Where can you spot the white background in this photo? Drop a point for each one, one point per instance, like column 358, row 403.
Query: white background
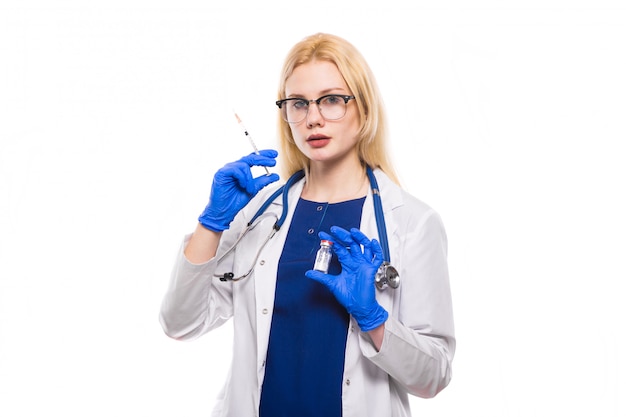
column 507, row 117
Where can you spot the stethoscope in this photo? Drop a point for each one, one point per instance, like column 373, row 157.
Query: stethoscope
column 386, row 276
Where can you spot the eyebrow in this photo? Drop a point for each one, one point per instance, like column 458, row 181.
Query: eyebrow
column 322, row 93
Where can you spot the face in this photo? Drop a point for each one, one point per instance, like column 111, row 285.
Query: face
column 330, row 141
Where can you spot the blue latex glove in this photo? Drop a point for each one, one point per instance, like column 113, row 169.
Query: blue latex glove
column 233, row 187
column 354, row 287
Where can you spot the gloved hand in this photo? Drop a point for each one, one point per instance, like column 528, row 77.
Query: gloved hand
column 354, row 287
column 233, row 187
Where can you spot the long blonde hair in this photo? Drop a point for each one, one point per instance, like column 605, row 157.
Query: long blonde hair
column 361, row 82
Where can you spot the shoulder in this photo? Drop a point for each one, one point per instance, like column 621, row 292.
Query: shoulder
column 406, row 214
column 395, row 198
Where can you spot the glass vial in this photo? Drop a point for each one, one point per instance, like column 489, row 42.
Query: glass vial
column 322, row 259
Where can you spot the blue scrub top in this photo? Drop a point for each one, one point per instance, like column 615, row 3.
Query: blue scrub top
column 305, row 358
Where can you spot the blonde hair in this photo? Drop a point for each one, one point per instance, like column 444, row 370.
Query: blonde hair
column 361, row 82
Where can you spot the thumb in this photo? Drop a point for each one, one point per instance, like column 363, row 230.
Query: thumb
column 319, row 277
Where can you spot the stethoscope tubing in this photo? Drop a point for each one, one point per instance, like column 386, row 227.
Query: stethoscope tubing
column 284, row 190
column 379, row 215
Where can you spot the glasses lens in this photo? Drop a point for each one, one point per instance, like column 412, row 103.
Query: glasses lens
column 333, row 107
column 294, row 111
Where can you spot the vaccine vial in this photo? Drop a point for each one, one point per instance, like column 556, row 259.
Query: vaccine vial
column 322, row 259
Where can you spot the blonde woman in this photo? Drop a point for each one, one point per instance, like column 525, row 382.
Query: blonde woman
column 307, row 342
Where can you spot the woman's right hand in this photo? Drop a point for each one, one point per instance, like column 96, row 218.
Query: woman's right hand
column 233, row 187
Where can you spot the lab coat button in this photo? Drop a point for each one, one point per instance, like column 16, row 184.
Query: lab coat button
column 347, row 382
column 265, row 311
column 311, row 231
column 262, row 262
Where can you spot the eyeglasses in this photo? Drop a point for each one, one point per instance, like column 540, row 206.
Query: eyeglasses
column 331, row 107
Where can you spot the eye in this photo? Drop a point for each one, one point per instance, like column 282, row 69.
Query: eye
column 333, row 99
column 299, row 104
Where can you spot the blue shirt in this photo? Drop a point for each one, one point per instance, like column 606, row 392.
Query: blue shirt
column 305, row 358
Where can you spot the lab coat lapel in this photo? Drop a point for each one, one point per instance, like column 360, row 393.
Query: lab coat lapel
column 266, row 273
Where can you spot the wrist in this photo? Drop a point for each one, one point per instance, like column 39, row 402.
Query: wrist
column 213, row 220
column 372, row 319
column 212, row 225
column 202, row 245
column 377, row 336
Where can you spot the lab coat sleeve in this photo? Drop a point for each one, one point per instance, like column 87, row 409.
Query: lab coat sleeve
column 195, row 301
column 418, row 344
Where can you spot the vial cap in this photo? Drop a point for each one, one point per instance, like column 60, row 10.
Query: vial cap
column 327, row 243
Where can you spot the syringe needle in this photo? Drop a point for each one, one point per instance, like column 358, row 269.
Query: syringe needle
column 245, row 131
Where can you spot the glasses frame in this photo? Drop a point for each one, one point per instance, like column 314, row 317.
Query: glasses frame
column 346, row 99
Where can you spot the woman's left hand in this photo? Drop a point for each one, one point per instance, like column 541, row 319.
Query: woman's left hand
column 354, row 287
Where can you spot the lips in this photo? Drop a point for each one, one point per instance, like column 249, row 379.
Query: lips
column 318, row 140
column 317, row 137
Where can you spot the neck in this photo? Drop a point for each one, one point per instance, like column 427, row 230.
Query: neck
column 336, row 183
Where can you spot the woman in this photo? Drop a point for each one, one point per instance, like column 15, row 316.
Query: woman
column 308, row 342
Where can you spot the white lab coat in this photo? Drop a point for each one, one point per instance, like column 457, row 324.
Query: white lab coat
column 418, row 343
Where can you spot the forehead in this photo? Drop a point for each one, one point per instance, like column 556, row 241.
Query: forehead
column 315, row 78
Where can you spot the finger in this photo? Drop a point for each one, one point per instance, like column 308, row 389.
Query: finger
column 377, row 252
column 347, row 249
column 263, row 181
column 325, row 236
column 338, row 248
column 373, row 253
column 376, row 248
column 348, row 240
column 266, row 157
column 240, row 172
column 359, row 236
column 233, row 172
column 327, row 280
column 270, row 153
column 343, row 254
column 342, row 236
column 363, row 240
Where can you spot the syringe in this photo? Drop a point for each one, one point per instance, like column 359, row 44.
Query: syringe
column 256, row 150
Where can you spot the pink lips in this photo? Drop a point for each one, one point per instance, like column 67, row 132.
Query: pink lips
column 318, row 140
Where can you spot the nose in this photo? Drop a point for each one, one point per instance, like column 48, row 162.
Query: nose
column 314, row 115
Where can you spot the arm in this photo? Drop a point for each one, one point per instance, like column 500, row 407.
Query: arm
column 194, row 303
column 414, row 344
column 377, row 335
column 202, row 245
column 418, row 338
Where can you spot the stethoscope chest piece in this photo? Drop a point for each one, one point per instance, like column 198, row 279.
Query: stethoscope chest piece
column 387, row 276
